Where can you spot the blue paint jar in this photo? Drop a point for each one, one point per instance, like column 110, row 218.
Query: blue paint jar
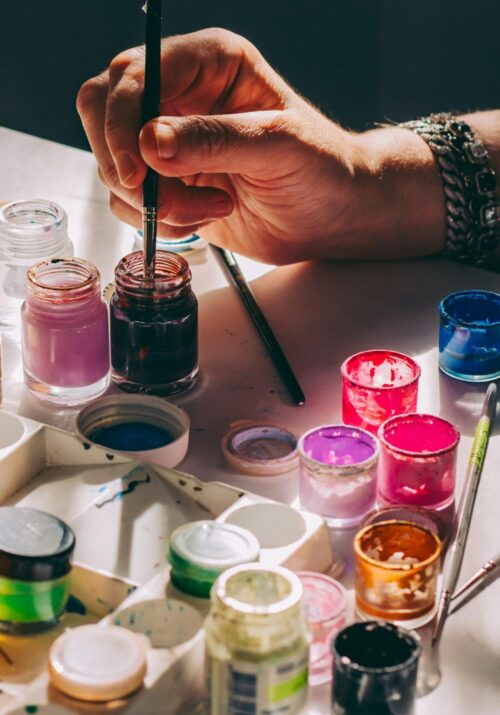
column 469, row 335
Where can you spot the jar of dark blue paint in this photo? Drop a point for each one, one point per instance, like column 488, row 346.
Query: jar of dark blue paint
column 469, row 335
column 154, row 326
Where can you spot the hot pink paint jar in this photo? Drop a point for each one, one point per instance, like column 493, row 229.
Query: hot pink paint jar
column 65, row 341
column 376, row 385
column 418, row 461
column 325, row 603
column 338, row 473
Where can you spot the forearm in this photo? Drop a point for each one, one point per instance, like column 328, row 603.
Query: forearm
column 400, row 188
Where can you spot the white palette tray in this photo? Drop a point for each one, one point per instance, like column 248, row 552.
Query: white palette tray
column 123, row 514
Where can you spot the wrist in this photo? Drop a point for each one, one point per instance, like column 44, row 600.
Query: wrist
column 399, row 194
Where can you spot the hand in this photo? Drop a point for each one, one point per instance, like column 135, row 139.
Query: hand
column 248, row 163
column 234, row 143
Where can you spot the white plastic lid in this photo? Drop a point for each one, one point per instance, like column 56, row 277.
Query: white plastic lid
column 98, row 663
column 214, row 545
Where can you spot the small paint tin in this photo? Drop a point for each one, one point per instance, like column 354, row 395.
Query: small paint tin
column 201, row 550
column 259, row 449
column 375, row 670
column 190, row 244
column 397, row 565
column 469, row 335
column 338, row 473
column 144, row 427
column 35, row 563
column 98, row 663
column 325, row 603
column 418, row 461
column 377, row 384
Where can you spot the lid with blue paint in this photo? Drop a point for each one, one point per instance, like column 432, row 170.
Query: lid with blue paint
column 201, row 550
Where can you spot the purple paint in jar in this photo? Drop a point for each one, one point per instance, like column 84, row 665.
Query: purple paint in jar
column 338, row 473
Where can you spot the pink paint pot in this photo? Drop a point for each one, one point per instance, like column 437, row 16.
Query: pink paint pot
column 376, row 385
column 65, row 341
column 418, row 461
column 325, row 602
column 338, row 473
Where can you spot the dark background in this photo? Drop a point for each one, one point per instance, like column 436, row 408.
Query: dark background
column 360, row 61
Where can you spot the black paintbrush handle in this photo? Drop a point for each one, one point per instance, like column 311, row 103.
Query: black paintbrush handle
column 275, row 350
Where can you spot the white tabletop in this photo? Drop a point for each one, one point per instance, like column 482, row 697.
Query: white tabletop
column 321, row 313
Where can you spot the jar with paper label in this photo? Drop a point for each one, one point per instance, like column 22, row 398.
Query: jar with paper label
column 257, row 643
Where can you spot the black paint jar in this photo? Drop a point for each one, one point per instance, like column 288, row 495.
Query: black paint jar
column 375, row 670
column 154, row 326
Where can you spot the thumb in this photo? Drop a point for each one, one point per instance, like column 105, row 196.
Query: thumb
column 250, row 142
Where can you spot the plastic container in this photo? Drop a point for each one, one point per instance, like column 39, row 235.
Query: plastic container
column 260, row 450
column 35, row 564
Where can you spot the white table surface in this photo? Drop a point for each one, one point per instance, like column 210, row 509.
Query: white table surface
column 321, row 313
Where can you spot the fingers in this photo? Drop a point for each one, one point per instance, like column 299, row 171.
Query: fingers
column 127, row 213
column 251, row 142
column 178, row 204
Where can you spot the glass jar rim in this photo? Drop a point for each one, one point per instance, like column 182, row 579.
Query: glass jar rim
column 443, row 308
column 355, row 466
column 333, row 586
column 24, row 242
column 172, row 274
column 411, row 453
column 90, row 279
column 386, row 566
column 407, row 359
column 286, row 604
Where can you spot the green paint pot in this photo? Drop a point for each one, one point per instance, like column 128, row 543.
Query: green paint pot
column 35, row 553
column 201, row 550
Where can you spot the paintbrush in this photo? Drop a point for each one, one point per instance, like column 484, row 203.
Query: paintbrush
column 150, row 110
column 465, row 508
column 486, row 575
column 232, row 270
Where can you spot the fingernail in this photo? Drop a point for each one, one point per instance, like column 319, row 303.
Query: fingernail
column 125, row 167
column 166, row 141
column 221, row 207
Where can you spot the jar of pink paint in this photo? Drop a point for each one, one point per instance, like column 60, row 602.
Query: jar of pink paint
column 377, row 384
column 65, row 343
column 418, row 461
column 338, row 473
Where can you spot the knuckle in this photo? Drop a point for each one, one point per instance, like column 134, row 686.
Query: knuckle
column 206, row 133
column 89, row 93
column 109, row 175
column 123, row 60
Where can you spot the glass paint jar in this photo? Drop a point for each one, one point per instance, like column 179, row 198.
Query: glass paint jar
column 338, row 473
column 257, row 643
column 376, row 385
column 35, row 553
column 418, row 461
column 375, row 670
column 30, row 229
column 469, row 335
column 65, row 341
column 200, row 551
column 154, row 326
column 325, row 603
column 397, row 565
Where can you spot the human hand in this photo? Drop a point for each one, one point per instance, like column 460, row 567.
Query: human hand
column 235, row 143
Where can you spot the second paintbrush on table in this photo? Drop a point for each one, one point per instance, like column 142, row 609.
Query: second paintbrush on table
column 232, row 270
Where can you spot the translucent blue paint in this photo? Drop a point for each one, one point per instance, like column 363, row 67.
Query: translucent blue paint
column 132, row 436
column 469, row 335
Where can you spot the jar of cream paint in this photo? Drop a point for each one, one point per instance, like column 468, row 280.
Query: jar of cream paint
column 35, row 553
column 257, row 642
column 65, row 332
column 30, row 229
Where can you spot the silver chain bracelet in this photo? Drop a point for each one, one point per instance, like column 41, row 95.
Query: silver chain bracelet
column 470, row 187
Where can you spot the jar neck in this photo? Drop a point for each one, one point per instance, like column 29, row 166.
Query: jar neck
column 62, row 282
column 172, row 278
column 258, row 634
column 33, row 229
